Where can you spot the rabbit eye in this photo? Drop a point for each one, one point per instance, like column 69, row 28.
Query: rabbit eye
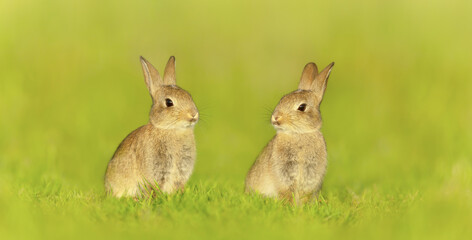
column 169, row 102
column 302, row 107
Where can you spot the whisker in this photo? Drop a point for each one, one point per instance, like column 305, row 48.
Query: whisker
column 266, row 113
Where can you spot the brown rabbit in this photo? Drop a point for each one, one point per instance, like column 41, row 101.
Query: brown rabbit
column 292, row 166
column 160, row 154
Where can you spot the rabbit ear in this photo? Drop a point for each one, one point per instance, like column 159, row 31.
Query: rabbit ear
column 321, row 81
column 308, row 75
column 151, row 75
column 169, row 73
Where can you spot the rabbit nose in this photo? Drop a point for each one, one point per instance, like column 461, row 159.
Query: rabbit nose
column 194, row 118
column 276, row 119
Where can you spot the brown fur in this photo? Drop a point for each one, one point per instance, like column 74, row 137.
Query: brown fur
column 161, row 154
column 292, row 166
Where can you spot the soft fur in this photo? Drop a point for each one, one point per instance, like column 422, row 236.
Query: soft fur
column 292, row 166
column 161, row 154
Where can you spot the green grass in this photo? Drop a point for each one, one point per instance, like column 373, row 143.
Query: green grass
column 397, row 115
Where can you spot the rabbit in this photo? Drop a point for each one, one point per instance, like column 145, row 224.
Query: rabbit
column 161, row 154
column 292, row 166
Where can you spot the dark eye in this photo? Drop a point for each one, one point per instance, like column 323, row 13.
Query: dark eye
column 302, row 107
column 169, row 102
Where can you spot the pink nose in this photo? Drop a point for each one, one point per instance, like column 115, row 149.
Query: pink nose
column 194, row 118
column 276, row 119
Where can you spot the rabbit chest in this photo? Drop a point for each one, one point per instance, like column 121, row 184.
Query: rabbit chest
column 170, row 159
column 300, row 161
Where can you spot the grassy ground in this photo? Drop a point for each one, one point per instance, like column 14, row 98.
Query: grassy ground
column 397, row 115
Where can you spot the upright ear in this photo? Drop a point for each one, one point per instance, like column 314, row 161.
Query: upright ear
column 151, row 76
column 321, row 81
column 169, row 73
column 308, row 75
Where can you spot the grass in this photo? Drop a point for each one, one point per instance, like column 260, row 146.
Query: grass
column 204, row 210
column 396, row 115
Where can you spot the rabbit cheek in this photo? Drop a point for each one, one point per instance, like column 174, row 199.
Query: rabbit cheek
column 157, row 115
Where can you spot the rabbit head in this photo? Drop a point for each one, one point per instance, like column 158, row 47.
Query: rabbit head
column 299, row 111
column 172, row 107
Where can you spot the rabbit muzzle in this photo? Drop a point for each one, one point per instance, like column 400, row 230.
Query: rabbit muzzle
column 193, row 118
column 275, row 120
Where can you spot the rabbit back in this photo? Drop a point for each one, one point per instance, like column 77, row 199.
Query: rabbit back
column 122, row 174
column 261, row 178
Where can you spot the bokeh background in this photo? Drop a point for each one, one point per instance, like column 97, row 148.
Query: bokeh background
column 397, row 111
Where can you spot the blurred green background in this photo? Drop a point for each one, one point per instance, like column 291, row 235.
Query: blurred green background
column 397, row 114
